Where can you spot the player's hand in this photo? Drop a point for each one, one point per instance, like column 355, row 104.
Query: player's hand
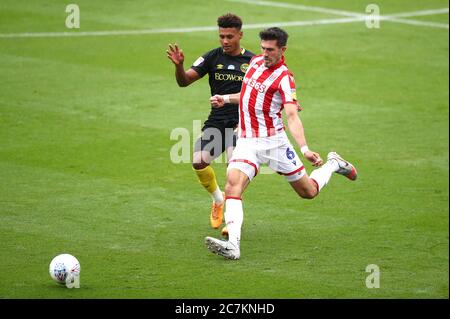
column 175, row 54
column 314, row 158
column 217, row 101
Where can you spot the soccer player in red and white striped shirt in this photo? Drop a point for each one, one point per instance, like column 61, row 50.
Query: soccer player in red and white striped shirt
column 268, row 89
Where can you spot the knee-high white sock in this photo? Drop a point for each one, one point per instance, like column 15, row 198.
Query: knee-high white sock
column 234, row 216
column 322, row 175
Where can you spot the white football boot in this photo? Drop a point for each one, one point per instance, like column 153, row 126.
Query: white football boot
column 345, row 168
column 222, row 248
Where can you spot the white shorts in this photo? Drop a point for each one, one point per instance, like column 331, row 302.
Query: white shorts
column 275, row 151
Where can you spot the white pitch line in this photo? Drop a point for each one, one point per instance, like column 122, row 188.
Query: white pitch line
column 303, row 23
column 418, row 13
column 391, row 18
column 351, row 18
column 103, row 33
column 417, row 22
column 174, row 30
column 299, row 7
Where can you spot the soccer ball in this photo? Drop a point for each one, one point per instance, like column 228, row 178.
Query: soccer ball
column 63, row 265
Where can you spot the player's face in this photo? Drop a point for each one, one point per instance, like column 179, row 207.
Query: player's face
column 271, row 52
column 230, row 39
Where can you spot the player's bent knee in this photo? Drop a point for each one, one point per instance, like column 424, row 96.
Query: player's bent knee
column 237, row 181
column 200, row 165
column 310, row 194
column 233, row 189
column 305, row 192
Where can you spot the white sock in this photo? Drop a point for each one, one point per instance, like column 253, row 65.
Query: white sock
column 322, row 175
column 234, row 216
column 217, row 196
column 334, row 164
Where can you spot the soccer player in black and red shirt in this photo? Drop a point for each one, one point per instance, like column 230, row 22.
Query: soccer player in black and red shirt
column 225, row 66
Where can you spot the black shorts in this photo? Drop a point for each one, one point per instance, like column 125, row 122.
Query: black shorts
column 215, row 140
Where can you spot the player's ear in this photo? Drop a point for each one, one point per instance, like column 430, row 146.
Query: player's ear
column 241, row 34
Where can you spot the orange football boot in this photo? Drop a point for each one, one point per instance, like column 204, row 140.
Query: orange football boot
column 216, row 217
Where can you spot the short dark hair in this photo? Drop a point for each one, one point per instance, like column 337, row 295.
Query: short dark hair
column 275, row 34
column 229, row 20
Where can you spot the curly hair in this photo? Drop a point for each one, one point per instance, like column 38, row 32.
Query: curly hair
column 229, row 20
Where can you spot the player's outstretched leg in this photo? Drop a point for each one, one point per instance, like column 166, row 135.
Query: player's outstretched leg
column 321, row 176
column 344, row 168
column 222, row 248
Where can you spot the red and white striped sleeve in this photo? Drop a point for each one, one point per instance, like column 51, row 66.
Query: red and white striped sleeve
column 288, row 91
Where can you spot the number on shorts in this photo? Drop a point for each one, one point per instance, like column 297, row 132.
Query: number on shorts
column 290, row 154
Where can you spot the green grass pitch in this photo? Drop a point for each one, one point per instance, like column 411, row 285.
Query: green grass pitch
column 85, row 167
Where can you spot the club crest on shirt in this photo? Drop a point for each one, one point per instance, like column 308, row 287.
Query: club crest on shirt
column 244, row 67
column 294, row 94
column 231, row 67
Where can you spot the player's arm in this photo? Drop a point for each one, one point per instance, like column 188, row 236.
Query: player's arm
column 184, row 78
column 296, row 128
column 220, row 100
